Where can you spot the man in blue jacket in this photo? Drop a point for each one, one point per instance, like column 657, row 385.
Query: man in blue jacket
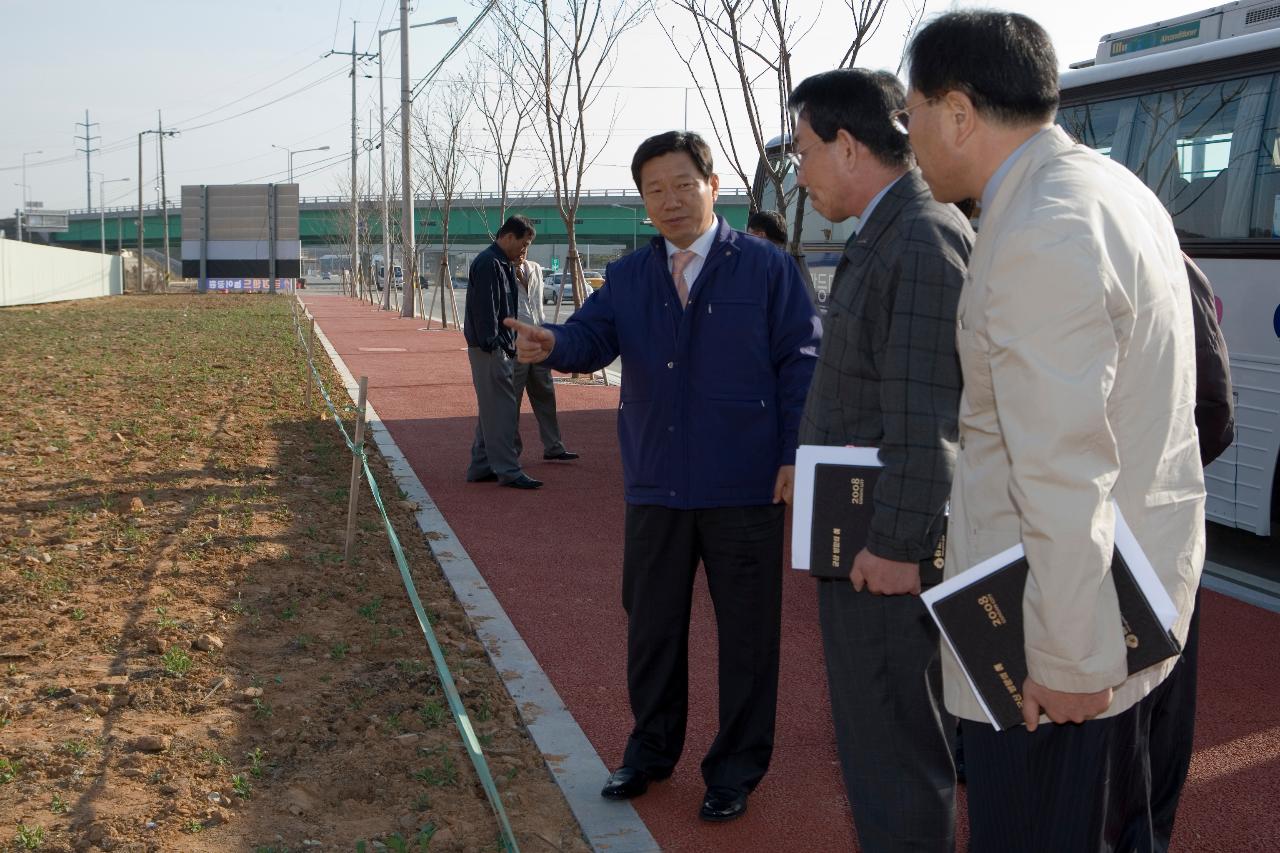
column 718, row 339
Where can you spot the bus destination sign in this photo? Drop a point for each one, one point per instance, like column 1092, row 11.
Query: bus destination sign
column 1156, row 38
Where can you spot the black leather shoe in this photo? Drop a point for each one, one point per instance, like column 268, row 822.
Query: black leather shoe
column 487, row 478
column 627, row 782
column 562, row 456
column 524, row 481
column 723, row 804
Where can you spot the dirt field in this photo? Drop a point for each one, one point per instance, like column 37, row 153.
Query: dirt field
column 185, row 664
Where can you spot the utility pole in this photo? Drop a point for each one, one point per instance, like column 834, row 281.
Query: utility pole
column 88, row 150
column 410, row 298
column 411, row 283
column 164, row 202
column 141, row 221
column 355, row 198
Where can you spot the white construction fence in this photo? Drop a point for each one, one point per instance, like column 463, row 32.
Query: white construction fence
column 31, row 274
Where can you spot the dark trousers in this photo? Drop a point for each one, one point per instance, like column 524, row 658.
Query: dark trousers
column 536, row 379
column 1171, row 732
column 493, row 449
column 893, row 734
column 1060, row 789
column 741, row 550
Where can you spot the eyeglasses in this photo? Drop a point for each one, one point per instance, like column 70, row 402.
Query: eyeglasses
column 796, row 158
column 902, row 118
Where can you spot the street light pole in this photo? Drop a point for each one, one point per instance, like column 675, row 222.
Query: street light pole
column 407, row 222
column 293, row 151
column 23, row 214
column 102, row 207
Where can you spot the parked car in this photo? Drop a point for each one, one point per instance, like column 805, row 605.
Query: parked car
column 594, row 278
column 556, row 288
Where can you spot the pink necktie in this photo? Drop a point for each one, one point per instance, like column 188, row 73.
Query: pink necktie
column 679, row 261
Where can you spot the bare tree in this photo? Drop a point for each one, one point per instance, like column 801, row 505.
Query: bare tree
column 442, row 155
column 507, row 109
column 356, row 285
column 564, row 56
column 867, row 17
column 752, row 42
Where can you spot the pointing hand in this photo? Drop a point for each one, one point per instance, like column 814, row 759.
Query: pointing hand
column 533, row 343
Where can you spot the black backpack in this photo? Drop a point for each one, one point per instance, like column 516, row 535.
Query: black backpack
column 1215, row 406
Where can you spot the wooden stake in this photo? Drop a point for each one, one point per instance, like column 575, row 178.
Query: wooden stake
column 353, row 499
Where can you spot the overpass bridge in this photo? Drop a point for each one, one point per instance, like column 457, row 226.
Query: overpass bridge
column 605, row 217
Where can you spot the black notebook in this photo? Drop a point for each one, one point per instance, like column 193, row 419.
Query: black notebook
column 979, row 613
column 832, row 506
column 833, row 509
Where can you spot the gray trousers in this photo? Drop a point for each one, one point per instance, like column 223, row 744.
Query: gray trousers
column 494, row 449
column 536, row 379
column 893, row 734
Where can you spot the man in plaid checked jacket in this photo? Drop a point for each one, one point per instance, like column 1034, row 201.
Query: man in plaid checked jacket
column 887, row 377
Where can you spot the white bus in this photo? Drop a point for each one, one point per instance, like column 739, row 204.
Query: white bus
column 1192, row 106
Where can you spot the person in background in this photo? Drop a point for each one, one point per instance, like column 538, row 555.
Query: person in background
column 887, row 377
column 491, row 348
column 536, row 378
column 718, row 339
column 769, row 225
column 1078, row 356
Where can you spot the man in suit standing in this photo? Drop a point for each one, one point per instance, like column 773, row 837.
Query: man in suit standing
column 536, row 378
column 718, row 339
column 887, row 377
column 491, row 349
column 1076, row 347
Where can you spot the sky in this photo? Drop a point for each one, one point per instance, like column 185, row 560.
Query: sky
column 238, row 77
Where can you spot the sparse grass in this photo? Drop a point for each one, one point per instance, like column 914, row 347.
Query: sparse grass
column 440, row 775
column 75, row 748
column 177, row 662
column 370, row 611
column 165, row 622
column 339, row 650
column 214, row 757
column 8, row 770
column 255, row 757
column 433, row 714
column 29, row 837
column 261, row 709
column 241, row 785
column 59, row 805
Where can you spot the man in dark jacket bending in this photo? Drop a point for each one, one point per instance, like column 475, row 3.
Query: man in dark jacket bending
column 491, row 298
column 718, row 339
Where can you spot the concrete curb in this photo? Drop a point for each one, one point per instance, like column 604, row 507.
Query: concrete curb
column 614, row 827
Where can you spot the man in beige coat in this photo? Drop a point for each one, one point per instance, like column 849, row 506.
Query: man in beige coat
column 536, row 378
column 1077, row 352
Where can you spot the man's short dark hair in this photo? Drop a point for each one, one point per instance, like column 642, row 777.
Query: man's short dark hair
column 1003, row 61
column 517, row 226
column 859, row 102
column 769, row 223
column 669, row 143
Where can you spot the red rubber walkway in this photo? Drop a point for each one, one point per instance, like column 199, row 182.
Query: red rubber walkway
column 553, row 559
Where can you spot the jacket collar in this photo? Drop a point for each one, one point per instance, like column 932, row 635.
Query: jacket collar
column 724, row 235
column 1044, row 147
column 906, row 188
